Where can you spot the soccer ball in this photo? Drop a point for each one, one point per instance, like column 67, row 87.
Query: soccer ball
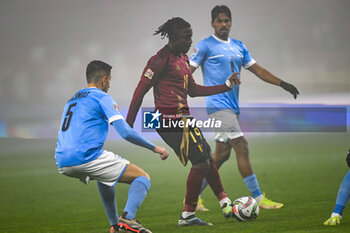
column 245, row 209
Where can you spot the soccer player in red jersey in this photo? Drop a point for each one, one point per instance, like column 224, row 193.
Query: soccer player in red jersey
column 169, row 74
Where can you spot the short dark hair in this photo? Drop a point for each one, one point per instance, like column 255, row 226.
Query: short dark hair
column 95, row 70
column 218, row 10
column 172, row 26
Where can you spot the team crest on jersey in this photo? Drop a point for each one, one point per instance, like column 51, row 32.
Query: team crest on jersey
column 149, row 73
column 116, row 107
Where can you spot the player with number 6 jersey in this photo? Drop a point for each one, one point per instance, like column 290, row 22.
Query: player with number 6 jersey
column 80, row 154
column 88, row 122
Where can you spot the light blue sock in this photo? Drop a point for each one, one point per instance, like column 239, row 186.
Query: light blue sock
column 204, row 185
column 252, row 184
column 343, row 195
column 108, row 198
column 137, row 193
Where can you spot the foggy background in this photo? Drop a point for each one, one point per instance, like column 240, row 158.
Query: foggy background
column 46, row 45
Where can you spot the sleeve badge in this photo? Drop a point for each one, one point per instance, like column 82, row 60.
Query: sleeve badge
column 195, row 51
column 149, row 73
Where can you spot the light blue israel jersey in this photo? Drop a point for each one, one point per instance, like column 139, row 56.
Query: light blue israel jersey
column 84, row 126
column 215, row 57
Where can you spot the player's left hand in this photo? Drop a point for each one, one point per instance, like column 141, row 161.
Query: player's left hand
column 348, row 158
column 233, row 80
column 290, row 88
column 162, row 151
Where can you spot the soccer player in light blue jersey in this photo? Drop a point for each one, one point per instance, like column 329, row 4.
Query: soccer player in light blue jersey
column 80, row 154
column 219, row 56
column 342, row 199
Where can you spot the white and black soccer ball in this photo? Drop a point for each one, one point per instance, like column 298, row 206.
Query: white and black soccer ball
column 245, row 209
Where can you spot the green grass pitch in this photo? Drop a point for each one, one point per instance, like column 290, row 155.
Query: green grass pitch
column 303, row 171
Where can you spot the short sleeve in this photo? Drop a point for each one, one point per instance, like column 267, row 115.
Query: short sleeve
column 248, row 61
column 110, row 108
column 199, row 54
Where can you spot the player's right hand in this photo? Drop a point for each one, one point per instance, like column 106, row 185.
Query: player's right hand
column 290, row 88
column 162, row 151
column 233, row 80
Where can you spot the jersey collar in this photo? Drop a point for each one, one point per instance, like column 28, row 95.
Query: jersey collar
column 218, row 39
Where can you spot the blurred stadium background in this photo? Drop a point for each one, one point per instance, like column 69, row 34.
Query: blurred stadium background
column 46, row 45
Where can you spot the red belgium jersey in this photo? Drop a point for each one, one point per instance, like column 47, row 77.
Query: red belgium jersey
column 171, row 79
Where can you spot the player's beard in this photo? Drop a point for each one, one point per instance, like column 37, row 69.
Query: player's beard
column 224, row 32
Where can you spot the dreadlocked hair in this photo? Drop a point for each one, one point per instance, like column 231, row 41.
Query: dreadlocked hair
column 171, row 26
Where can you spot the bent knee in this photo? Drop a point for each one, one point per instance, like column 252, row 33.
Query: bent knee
column 143, row 173
column 132, row 172
column 147, row 175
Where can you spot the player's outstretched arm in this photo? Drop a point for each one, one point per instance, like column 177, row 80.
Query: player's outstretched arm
column 266, row 76
column 198, row 90
column 129, row 134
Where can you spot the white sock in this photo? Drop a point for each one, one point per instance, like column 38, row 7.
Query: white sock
column 185, row 214
column 259, row 198
column 224, row 200
column 336, row 214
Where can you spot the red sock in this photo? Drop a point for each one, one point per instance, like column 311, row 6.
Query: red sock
column 194, row 183
column 214, row 180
